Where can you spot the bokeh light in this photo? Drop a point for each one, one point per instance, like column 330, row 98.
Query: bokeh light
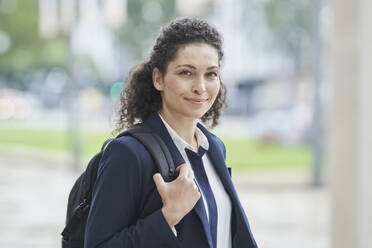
column 116, row 89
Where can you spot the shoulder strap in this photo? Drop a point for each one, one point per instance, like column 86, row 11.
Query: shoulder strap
column 162, row 158
column 156, row 147
column 105, row 144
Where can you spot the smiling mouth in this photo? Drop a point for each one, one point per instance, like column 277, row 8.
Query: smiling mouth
column 196, row 101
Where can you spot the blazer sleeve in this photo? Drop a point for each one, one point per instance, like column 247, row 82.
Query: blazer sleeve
column 112, row 220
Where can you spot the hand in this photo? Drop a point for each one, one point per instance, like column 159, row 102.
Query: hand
column 178, row 196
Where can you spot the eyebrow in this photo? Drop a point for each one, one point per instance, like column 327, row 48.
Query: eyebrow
column 193, row 67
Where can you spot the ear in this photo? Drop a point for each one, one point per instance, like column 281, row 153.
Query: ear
column 157, row 79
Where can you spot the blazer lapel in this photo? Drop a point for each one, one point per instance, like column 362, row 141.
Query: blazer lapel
column 216, row 155
column 200, row 211
column 218, row 161
column 240, row 228
column 155, row 123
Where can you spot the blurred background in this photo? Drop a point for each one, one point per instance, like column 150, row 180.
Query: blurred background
column 296, row 140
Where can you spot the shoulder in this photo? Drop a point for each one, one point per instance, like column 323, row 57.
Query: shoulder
column 216, row 139
column 124, row 153
column 219, row 144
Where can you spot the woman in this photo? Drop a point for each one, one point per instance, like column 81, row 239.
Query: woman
column 178, row 86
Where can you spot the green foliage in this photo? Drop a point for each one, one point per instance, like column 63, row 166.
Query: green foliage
column 28, row 51
column 245, row 153
column 51, row 140
column 141, row 26
column 242, row 154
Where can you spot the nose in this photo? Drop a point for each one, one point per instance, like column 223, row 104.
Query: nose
column 199, row 86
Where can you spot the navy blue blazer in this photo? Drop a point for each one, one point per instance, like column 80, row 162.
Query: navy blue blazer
column 125, row 182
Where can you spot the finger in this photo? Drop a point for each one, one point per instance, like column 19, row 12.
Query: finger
column 189, row 171
column 191, row 174
column 196, row 185
column 159, row 182
column 183, row 170
column 180, row 166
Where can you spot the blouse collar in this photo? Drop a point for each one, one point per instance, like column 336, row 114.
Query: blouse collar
column 181, row 143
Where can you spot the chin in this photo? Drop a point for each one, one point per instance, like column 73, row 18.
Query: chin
column 196, row 114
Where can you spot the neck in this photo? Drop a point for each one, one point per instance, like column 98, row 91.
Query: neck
column 184, row 127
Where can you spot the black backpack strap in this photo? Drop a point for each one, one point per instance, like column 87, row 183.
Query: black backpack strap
column 156, row 147
column 162, row 158
column 105, row 144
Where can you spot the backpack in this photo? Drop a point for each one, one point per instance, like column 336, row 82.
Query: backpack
column 80, row 197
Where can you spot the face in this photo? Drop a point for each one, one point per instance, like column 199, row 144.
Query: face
column 191, row 82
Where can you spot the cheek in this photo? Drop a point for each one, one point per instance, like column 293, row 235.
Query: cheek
column 174, row 87
column 214, row 89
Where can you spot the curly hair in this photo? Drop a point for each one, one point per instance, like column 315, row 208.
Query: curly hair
column 140, row 98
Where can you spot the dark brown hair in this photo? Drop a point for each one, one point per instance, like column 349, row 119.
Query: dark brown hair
column 139, row 98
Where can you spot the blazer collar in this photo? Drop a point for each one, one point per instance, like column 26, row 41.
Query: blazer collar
column 155, row 123
column 180, row 143
column 216, row 155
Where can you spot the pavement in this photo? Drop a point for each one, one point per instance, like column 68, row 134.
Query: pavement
column 283, row 210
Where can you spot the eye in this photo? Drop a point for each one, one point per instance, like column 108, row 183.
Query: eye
column 185, row 72
column 212, row 74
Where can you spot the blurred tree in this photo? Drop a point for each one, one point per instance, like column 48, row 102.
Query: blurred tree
column 144, row 20
column 290, row 22
column 27, row 50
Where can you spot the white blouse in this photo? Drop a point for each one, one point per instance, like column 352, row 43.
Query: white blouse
column 223, row 201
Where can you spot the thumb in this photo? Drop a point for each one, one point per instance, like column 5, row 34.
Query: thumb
column 159, row 182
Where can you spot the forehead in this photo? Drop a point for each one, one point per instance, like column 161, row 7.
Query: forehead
column 196, row 54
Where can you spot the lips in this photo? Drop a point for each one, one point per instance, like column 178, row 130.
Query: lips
column 196, row 100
